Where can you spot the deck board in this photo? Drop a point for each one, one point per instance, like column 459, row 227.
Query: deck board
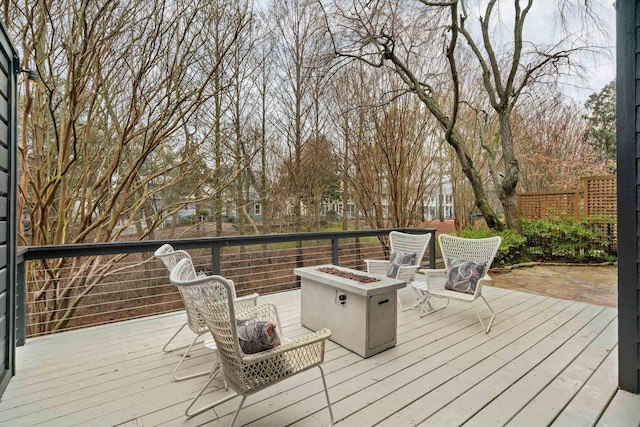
column 538, row 361
column 441, row 370
column 545, row 360
column 554, row 381
column 623, row 410
column 594, row 395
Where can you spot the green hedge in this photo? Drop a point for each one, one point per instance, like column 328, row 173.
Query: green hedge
column 569, row 239
column 554, row 239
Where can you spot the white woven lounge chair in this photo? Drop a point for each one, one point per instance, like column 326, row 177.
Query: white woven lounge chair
column 247, row 373
column 170, row 258
column 480, row 251
column 407, row 244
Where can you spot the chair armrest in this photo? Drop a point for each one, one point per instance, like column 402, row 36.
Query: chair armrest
column 435, row 278
column 438, row 272
column 406, row 272
column 481, row 281
column 376, row 266
column 246, row 302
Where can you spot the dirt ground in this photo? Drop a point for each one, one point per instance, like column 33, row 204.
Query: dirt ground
column 591, row 284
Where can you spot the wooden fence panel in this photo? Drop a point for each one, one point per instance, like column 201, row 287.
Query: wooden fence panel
column 600, row 195
column 600, row 198
column 546, row 204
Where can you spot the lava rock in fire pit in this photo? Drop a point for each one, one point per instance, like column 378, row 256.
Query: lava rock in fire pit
column 348, row 275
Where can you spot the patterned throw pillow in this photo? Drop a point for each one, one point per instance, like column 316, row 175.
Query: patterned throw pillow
column 463, row 276
column 397, row 259
column 257, row 336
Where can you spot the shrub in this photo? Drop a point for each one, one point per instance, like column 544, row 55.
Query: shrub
column 560, row 238
column 568, row 239
column 512, row 249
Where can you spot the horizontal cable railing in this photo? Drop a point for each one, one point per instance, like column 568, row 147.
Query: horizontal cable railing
column 66, row 287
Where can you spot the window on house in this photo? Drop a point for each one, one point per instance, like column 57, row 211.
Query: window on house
column 257, row 209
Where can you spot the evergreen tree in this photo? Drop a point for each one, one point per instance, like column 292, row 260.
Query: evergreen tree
column 601, row 132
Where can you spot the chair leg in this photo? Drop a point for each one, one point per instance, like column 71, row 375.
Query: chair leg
column 411, row 307
column 172, row 338
column 326, row 393
column 419, row 299
column 493, row 316
column 214, row 372
column 186, row 377
column 235, row 416
column 427, row 304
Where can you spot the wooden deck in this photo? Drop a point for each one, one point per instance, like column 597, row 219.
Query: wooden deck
column 545, row 361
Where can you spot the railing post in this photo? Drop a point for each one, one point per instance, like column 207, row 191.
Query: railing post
column 585, row 192
column 432, row 250
column 21, row 302
column 215, row 260
column 334, row 251
column 576, row 205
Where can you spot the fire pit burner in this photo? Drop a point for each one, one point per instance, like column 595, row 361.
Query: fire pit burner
column 348, row 275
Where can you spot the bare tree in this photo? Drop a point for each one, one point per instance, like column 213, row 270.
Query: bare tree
column 118, row 84
column 391, row 147
column 552, row 147
column 302, row 48
column 263, row 73
column 343, row 112
column 398, row 35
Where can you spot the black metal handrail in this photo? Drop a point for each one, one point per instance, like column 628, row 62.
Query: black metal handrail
column 216, row 244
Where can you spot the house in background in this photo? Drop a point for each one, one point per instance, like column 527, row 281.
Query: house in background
column 439, row 198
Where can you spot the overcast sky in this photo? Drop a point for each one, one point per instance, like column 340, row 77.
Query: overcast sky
column 543, row 25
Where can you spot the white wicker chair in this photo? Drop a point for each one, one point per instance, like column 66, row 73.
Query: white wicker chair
column 195, row 321
column 170, row 258
column 406, row 243
column 247, row 373
column 481, row 251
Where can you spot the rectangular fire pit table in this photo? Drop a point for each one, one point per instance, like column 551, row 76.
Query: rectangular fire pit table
column 362, row 316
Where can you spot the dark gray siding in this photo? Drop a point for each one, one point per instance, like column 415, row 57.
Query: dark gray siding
column 7, row 209
column 628, row 123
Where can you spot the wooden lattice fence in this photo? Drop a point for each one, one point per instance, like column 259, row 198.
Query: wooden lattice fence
column 598, row 197
column 549, row 204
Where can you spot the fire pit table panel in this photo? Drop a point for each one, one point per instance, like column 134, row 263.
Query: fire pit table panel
column 362, row 316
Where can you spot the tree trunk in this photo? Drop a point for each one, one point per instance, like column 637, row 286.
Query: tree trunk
column 507, row 191
column 217, row 150
column 456, row 140
column 345, row 177
column 482, row 203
